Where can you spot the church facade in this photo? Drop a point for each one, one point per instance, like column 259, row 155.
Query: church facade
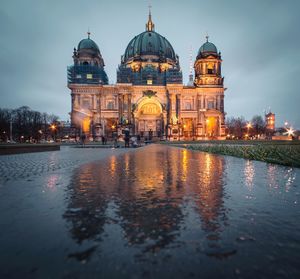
column 149, row 97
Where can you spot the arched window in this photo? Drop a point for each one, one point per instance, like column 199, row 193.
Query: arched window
column 85, row 63
column 210, row 68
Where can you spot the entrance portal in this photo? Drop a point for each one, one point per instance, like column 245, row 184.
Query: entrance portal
column 212, row 126
column 149, row 119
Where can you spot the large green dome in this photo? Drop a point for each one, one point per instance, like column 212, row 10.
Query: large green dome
column 149, row 43
column 88, row 44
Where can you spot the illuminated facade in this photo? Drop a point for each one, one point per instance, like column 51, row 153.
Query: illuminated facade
column 149, row 96
column 270, row 121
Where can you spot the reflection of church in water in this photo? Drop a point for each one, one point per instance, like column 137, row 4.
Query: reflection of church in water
column 149, row 95
column 149, row 205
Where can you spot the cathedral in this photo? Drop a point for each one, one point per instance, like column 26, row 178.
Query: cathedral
column 149, row 98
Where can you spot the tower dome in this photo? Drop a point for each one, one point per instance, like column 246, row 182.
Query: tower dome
column 88, row 44
column 88, row 65
column 208, row 48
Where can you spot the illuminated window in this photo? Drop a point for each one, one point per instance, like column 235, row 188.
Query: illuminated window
column 89, row 76
column 210, row 68
column 149, row 81
column 78, row 76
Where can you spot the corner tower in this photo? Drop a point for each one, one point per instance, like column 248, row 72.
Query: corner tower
column 208, row 66
column 86, row 77
column 210, row 85
column 88, row 65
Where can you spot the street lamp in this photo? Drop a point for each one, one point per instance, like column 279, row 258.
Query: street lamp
column 249, row 126
column 53, row 128
column 290, row 131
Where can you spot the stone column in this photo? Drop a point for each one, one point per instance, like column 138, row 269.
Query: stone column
column 129, row 107
column 120, row 107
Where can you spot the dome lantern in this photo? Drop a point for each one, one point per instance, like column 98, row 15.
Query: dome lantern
column 150, row 25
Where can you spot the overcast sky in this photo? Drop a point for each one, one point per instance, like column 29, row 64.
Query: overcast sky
column 259, row 41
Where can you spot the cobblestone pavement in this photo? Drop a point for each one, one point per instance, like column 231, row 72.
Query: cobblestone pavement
column 151, row 212
column 24, row 166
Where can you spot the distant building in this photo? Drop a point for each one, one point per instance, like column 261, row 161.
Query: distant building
column 149, row 97
column 270, row 121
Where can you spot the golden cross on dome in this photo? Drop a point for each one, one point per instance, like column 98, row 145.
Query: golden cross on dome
column 207, row 37
column 88, row 33
column 149, row 6
column 150, row 24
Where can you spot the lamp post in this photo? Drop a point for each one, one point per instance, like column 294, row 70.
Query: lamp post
column 53, row 129
column 249, row 125
column 10, row 130
column 40, row 135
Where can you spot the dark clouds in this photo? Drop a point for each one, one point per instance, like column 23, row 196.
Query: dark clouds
column 259, row 41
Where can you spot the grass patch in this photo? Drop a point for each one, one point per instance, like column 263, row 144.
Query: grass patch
column 283, row 153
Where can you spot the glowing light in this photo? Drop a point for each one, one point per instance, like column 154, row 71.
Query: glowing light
column 249, row 125
column 113, row 165
column 249, row 174
column 184, row 165
column 86, row 125
column 53, row 127
column 113, row 126
column 290, row 132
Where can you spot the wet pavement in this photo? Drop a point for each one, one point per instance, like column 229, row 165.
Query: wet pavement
column 152, row 212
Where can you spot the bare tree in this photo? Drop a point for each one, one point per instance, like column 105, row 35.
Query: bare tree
column 258, row 125
column 27, row 124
